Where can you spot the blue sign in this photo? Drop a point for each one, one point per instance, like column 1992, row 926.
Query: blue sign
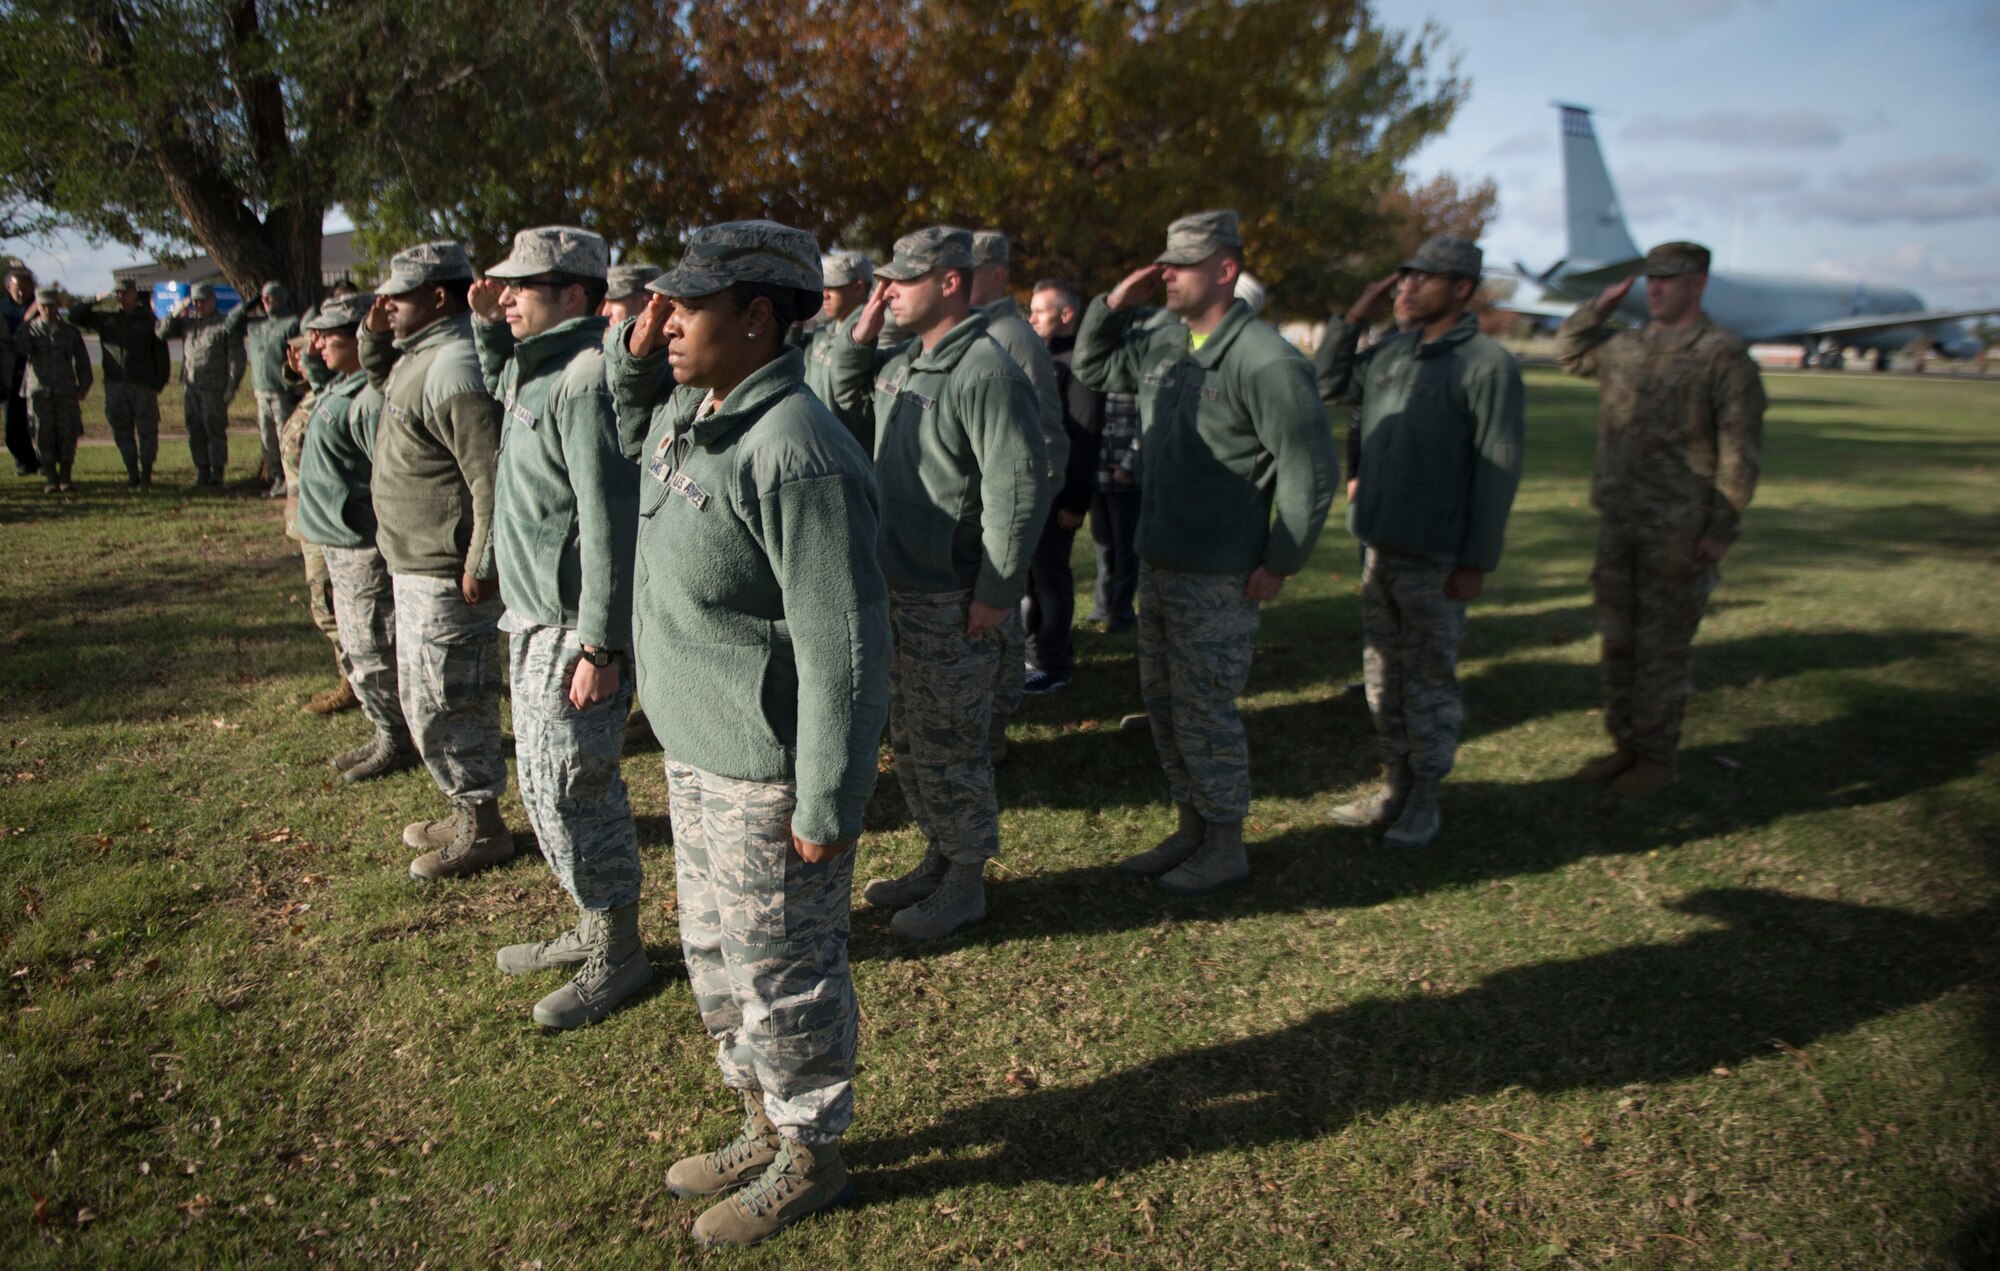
column 168, row 294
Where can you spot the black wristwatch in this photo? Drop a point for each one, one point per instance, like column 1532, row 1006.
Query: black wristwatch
column 599, row 657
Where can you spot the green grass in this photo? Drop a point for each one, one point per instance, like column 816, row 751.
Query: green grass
column 1749, row 1023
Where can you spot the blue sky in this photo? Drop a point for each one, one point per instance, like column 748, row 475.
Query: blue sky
column 1839, row 138
column 1833, row 138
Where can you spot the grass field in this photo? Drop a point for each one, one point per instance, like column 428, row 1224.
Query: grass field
column 1751, row 1022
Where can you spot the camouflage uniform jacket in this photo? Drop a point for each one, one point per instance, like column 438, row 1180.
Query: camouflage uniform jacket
column 1230, row 434
column 1680, row 428
column 53, row 358
column 265, row 337
column 207, row 347
column 858, row 417
column 335, row 464
column 1441, row 428
column 761, row 615
column 565, row 498
column 1012, row 333
column 435, row 450
column 128, row 345
column 960, row 460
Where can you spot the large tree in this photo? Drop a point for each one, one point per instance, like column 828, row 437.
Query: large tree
column 237, row 124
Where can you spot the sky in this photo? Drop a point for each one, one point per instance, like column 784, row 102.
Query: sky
column 1836, row 138
column 1841, row 139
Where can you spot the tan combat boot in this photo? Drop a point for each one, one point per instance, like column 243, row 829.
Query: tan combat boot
column 1605, row 769
column 482, row 840
column 908, row 889
column 1219, row 862
column 802, row 1180
column 391, row 752
column 1420, row 820
column 735, row 1163
column 429, row 836
column 1644, row 777
column 1173, row 849
column 614, row 968
column 332, row 701
column 959, row 901
column 567, row 949
column 346, row 759
column 1382, row 807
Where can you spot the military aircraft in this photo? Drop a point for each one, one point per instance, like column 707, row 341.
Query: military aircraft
column 1824, row 317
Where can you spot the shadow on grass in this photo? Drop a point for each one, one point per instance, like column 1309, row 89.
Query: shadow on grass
column 1888, row 745
column 1780, row 969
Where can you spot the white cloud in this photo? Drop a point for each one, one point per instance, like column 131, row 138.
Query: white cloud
column 1794, row 128
column 1864, row 205
column 1622, row 17
column 1944, row 281
column 1541, row 141
column 1940, row 169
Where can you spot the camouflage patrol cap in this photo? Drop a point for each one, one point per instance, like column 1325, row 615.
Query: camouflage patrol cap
column 1669, row 259
column 276, row 289
column 338, row 312
column 629, row 278
column 202, row 291
column 127, row 283
column 554, row 249
column 48, row 295
column 1446, row 255
column 425, row 265
column 720, row 256
column 842, row 268
column 1193, row 239
column 936, row 247
column 989, row 247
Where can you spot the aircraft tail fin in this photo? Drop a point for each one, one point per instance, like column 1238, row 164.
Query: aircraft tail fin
column 1597, row 233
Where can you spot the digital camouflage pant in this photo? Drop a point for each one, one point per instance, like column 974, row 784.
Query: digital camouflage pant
column 1410, row 632
column 448, row 671
column 133, row 411
column 1650, row 594
column 764, row 936
column 567, row 763
column 321, row 604
column 58, row 425
column 273, row 408
column 1010, row 669
column 206, row 414
column 364, row 609
column 1196, row 637
column 941, row 684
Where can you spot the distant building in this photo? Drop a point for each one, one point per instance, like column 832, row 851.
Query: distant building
column 337, row 260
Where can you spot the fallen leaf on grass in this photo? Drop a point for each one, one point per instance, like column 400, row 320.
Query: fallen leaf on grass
column 1023, row 1078
column 41, row 1208
column 1729, row 763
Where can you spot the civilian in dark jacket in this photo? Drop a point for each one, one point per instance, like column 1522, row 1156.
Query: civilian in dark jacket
column 1050, row 603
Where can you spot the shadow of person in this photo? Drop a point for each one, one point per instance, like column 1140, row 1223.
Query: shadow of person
column 1777, row 968
column 1890, row 743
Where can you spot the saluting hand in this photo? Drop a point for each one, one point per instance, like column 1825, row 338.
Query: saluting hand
column 378, row 315
column 1374, row 299
column 1614, row 295
column 869, row 325
column 483, row 297
column 1136, row 288
column 648, row 333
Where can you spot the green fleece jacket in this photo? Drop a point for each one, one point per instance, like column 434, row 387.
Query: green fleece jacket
column 1236, row 462
column 264, row 338
column 435, row 451
column 760, row 612
column 566, row 499
column 130, row 350
column 1441, row 429
column 335, row 509
column 960, row 461
column 1011, row 332
column 858, row 417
